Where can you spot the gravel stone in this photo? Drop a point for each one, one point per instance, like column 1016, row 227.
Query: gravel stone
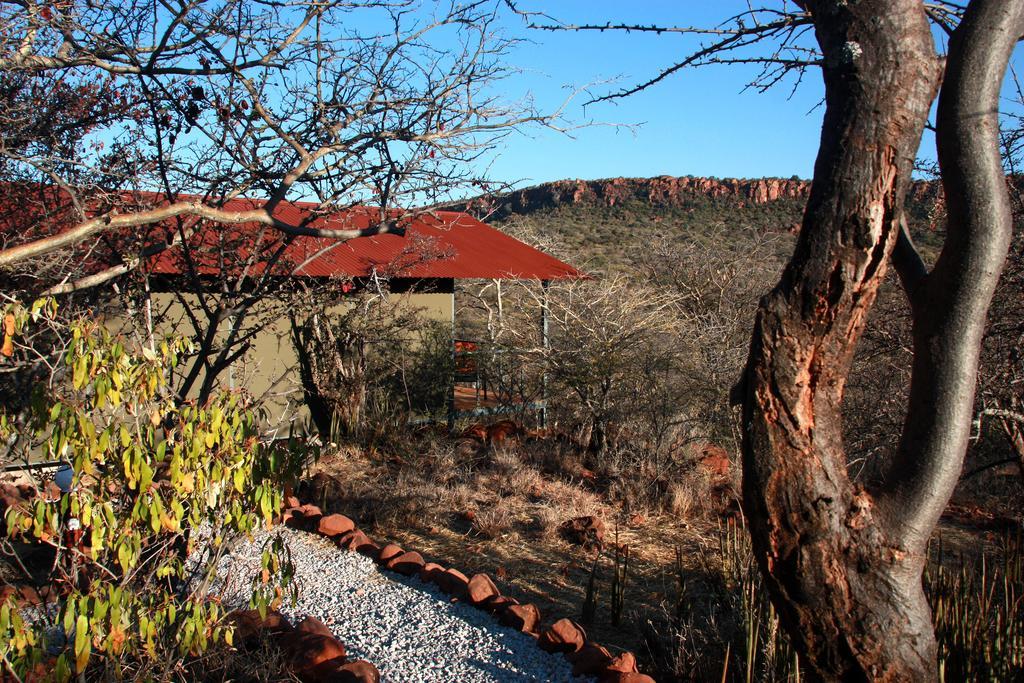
column 408, row 629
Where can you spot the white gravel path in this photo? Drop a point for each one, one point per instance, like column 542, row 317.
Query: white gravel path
column 408, row 629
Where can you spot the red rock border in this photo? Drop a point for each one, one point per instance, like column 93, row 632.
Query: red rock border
column 564, row 635
column 311, row 650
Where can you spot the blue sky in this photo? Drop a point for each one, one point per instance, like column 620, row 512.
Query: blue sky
column 697, row 122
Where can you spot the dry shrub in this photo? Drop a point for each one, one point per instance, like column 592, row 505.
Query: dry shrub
column 635, row 493
column 411, row 501
column 559, row 455
column 522, row 483
column 493, row 521
column 682, row 498
column 545, row 520
column 569, row 500
column 506, row 459
column 263, row 662
column 461, row 497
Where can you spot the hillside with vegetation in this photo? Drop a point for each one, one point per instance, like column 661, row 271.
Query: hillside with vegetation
column 602, row 223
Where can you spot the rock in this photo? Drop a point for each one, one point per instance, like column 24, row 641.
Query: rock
column 714, row 460
column 525, row 618
column 661, row 191
column 303, row 517
column 313, row 656
column 408, row 563
column 587, row 531
column 27, row 596
column 498, row 603
column 369, row 548
column 314, row 625
column 429, row 572
column 353, row 539
column 249, row 625
column 589, row 660
column 623, row 663
column 564, row 635
column 335, row 525
column 505, row 430
column 631, row 677
column 452, row 582
column 389, row 551
column 481, row 588
column 476, row 432
column 359, row 671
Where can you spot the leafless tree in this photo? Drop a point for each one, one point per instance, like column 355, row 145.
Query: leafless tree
column 717, row 288
column 136, row 128
column 612, row 353
column 844, row 562
column 249, row 99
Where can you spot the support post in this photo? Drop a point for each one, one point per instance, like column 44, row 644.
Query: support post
column 451, row 380
column 546, row 345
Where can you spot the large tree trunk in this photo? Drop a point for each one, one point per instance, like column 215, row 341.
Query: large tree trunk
column 844, row 564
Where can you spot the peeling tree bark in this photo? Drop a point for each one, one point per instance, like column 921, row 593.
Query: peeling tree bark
column 844, row 564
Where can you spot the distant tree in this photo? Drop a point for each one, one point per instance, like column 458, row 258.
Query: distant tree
column 844, row 562
column 612, row 356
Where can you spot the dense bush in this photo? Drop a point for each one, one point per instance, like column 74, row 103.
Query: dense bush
column 157, row 490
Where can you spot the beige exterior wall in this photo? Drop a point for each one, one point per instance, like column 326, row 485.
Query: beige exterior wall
column 269, row 370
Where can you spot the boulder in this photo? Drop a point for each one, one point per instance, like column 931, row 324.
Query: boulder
column 429, row 572
column 335, row 525
column 353, row 539
column 249, row 625
column 590, row 660
column 359, row 671
column 498, row 603
column 305, row 517
column 452, row 582
column 480, row 589
column 624, row 663
column 408, row 563
column 388, row 552
column 564, row 635
column 525, row 618
column 313, row 656
column 314, row 625
column 587, row 531
column 369, row 548
column 632, row 677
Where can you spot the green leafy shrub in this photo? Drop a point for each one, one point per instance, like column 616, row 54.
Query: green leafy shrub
column 157, row 490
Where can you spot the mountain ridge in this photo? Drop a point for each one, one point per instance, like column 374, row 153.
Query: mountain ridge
column 660, row 191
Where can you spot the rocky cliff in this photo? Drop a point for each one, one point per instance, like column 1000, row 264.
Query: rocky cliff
column 665, row 191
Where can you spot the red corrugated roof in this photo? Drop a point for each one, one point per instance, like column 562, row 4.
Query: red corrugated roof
column 440, row 244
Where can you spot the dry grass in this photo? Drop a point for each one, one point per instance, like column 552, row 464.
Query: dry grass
column 499, row 510
column 546, row 519
column 682, row 499
column 494, row 521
